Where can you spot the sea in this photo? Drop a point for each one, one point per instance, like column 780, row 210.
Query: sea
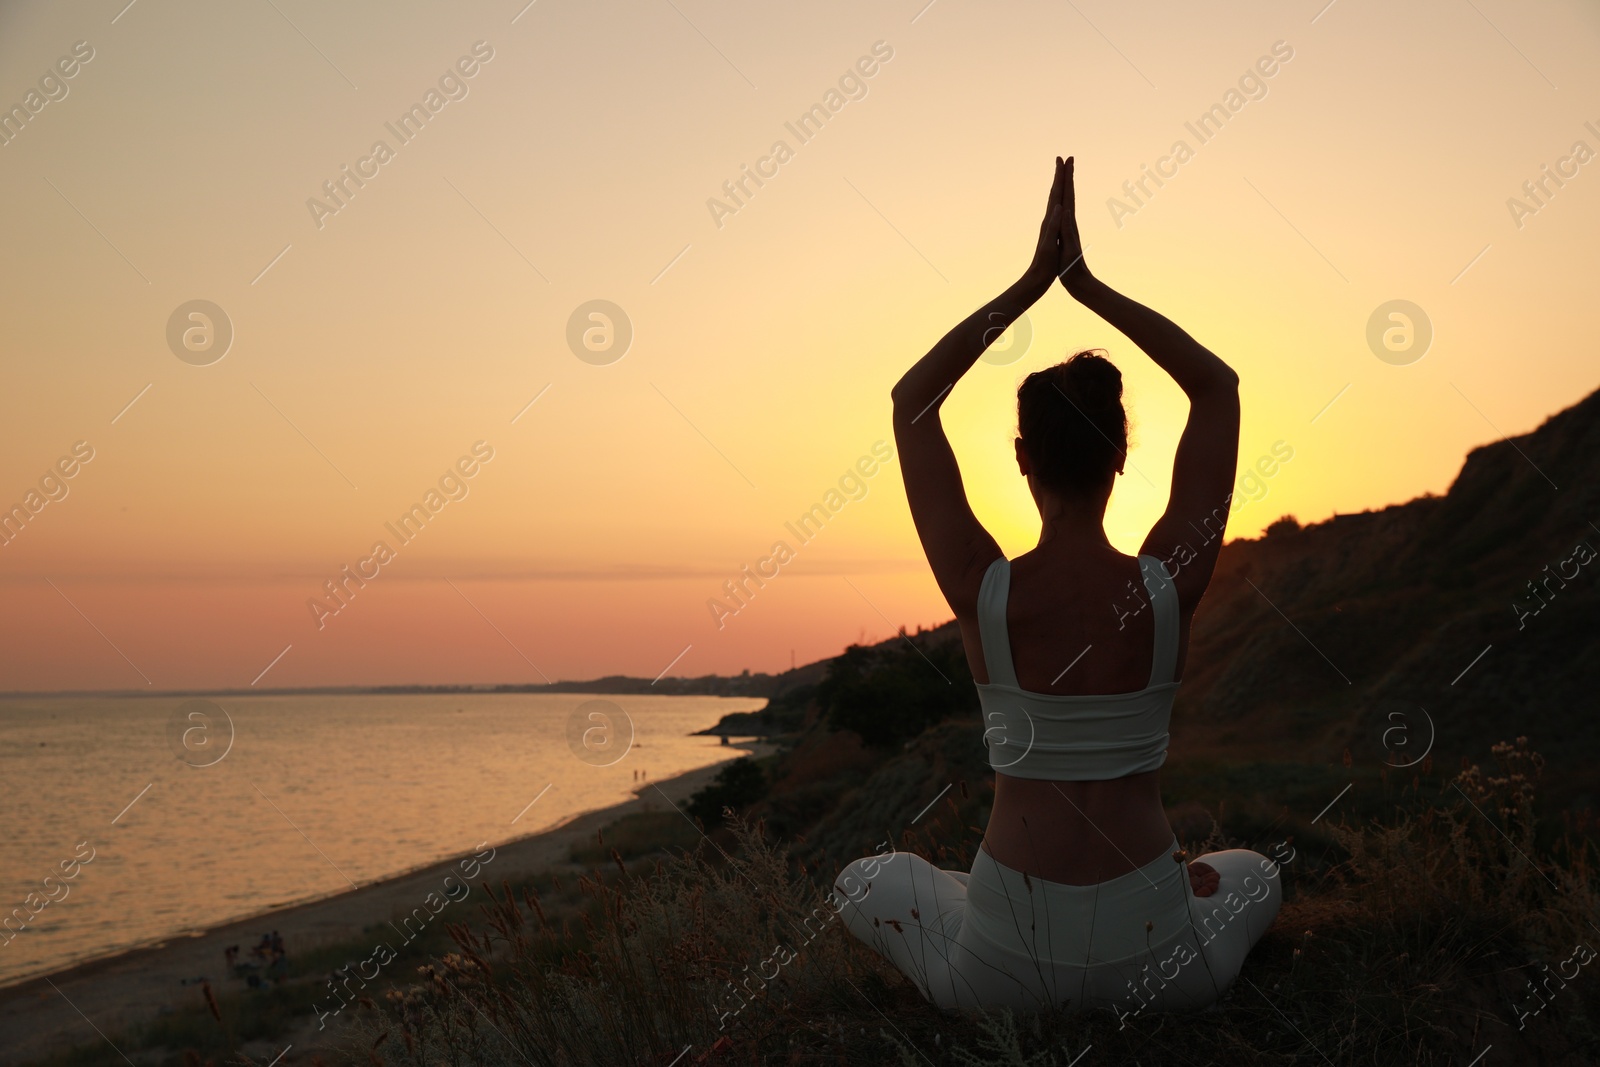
column 126, row 821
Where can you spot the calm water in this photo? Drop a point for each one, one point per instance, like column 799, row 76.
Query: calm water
column 313, row 793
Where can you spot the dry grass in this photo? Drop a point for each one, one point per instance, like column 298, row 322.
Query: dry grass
column 1413, row 941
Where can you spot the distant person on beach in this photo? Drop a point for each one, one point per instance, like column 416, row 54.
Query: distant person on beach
column 279, row 967
column 1078, row 896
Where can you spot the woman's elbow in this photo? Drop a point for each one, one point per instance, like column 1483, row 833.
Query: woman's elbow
column 900, row 392
column 904, row 396
column 901, row 413
column 1222, row 380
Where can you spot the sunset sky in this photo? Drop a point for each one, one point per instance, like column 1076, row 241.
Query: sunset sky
column 374, row 345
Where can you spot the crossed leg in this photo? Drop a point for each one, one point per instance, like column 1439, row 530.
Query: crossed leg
column 910, row 911
column 1235, row 916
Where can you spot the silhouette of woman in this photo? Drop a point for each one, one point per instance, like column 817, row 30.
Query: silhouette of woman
column 1078, row 896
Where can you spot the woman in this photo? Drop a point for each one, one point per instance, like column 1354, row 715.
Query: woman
column 1078, row 897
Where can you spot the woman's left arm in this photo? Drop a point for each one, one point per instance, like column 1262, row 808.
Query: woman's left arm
column 958, row 548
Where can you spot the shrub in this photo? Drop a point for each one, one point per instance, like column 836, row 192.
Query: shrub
column 892, row 693
column 1286, row 524
column 738, row 785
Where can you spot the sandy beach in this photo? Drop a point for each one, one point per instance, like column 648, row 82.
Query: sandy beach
column 50, row 1013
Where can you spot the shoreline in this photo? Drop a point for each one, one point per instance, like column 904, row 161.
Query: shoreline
column 88, row 964
column 40, row 1014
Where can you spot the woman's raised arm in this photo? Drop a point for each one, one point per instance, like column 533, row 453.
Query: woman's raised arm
column 931, row 378
column 1188, row 535
column 957, row 545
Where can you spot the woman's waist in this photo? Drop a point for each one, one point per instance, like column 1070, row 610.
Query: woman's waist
column 1089, row 798
column 1078, row 833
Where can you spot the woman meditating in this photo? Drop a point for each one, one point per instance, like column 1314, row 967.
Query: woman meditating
column 1078, row 896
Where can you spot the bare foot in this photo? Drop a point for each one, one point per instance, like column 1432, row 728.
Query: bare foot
column 1203, row 878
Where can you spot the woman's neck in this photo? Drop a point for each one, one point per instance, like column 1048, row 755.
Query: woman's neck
column 1075, row 523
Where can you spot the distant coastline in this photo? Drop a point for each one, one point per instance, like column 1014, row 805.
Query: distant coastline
column 740, row 685
column 788, row 688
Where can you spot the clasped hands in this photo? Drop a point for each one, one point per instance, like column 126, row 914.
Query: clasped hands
column 1060, row 251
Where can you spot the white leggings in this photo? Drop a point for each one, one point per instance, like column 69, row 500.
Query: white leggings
column 995, row 937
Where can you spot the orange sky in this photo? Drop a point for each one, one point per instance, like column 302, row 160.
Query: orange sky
column 374, row 345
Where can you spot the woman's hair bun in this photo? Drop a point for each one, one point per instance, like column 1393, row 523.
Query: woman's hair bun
column 1093, row 379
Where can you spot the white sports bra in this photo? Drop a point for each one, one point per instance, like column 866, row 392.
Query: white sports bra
column 1080, row 737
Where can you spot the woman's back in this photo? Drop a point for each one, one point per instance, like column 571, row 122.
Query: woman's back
column 1080, row 622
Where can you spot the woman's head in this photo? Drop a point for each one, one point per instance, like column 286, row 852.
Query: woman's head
column 1071, row 426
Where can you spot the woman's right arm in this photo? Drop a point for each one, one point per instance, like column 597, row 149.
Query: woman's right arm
column 1188, row 536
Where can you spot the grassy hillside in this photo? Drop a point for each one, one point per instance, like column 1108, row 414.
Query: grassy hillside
column 1402, row 601
column 1439, row 932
